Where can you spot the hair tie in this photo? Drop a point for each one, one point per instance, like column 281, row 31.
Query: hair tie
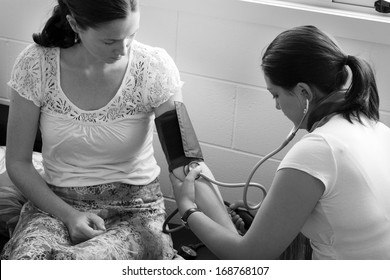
column 346, row 60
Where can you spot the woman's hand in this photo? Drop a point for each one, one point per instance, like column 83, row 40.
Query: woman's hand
column 237, row 221
column 185, row 191
column 85, row 226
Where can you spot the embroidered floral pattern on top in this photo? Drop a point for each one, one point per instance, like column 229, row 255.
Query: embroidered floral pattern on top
column 151, row 80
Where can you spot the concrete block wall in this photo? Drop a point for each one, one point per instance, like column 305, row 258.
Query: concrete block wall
column 217, row 45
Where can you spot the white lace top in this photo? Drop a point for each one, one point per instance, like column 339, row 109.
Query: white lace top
column 113, row 143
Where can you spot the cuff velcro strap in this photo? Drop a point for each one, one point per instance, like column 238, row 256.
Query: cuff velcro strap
column 177, row 137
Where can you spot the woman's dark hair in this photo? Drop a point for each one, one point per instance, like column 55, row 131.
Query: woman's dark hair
column 305, row 54
column 87, row 13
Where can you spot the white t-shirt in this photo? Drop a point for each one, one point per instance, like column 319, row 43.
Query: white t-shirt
column 352, row 218
column 111, row 144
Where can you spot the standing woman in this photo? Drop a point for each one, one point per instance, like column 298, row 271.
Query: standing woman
column 93, row 91
column 334, row 184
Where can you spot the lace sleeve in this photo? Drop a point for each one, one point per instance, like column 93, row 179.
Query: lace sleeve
column 163, row 78
column 26, row 76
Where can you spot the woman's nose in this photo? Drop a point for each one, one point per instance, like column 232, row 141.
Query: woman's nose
column 122, row 47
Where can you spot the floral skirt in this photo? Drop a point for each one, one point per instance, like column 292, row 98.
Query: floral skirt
column 133, row 217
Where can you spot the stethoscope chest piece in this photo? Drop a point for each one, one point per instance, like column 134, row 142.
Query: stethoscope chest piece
column 187, row 253
column 192, row 165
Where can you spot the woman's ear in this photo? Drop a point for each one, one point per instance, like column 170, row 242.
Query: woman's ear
column 305, row 90
column 73, row 23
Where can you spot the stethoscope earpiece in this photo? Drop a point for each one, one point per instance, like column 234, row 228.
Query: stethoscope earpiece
column 307, row 107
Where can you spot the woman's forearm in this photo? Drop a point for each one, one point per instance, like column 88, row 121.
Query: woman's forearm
column 209, row 199
column 28, row 180
column 215, row 237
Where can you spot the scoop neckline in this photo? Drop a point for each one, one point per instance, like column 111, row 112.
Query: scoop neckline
column 118, row 92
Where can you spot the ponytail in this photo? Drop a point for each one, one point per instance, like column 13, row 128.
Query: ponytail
column 362, row 95
column 57, row 31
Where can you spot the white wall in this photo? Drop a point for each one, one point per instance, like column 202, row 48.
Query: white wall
column 217, row 45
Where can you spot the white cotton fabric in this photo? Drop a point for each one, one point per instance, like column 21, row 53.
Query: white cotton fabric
column 111, row 144
column 352, row 218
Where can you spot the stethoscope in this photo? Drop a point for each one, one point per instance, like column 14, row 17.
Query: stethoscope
column 248, row 182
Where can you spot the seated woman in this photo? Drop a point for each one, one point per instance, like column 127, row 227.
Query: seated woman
column 334, row 184
column 93, row 90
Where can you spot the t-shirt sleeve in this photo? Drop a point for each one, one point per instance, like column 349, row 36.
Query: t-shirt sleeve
column 163, row 78
column 26, row 75
column 314, row 156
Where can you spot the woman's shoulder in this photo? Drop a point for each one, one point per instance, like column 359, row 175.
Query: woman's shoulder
column 28, row 76
column 145, row 48
column 34, row 54
column 35, row 50
column 151, row 53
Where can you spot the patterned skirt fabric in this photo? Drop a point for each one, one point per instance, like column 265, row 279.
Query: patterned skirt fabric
column 133, row 217
column 11, row 202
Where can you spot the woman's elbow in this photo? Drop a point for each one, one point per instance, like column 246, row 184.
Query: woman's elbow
column 15, row 166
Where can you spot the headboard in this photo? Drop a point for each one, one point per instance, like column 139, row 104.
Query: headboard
column 3, row 129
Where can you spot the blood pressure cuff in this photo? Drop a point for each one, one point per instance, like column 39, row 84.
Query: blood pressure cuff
column 177, row 137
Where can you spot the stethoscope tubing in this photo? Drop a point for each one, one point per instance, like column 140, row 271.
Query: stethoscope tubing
column 248, row 183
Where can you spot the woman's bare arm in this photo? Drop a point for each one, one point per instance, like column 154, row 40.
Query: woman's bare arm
column 292, row 197
column 22, row 128
column 208, row 196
